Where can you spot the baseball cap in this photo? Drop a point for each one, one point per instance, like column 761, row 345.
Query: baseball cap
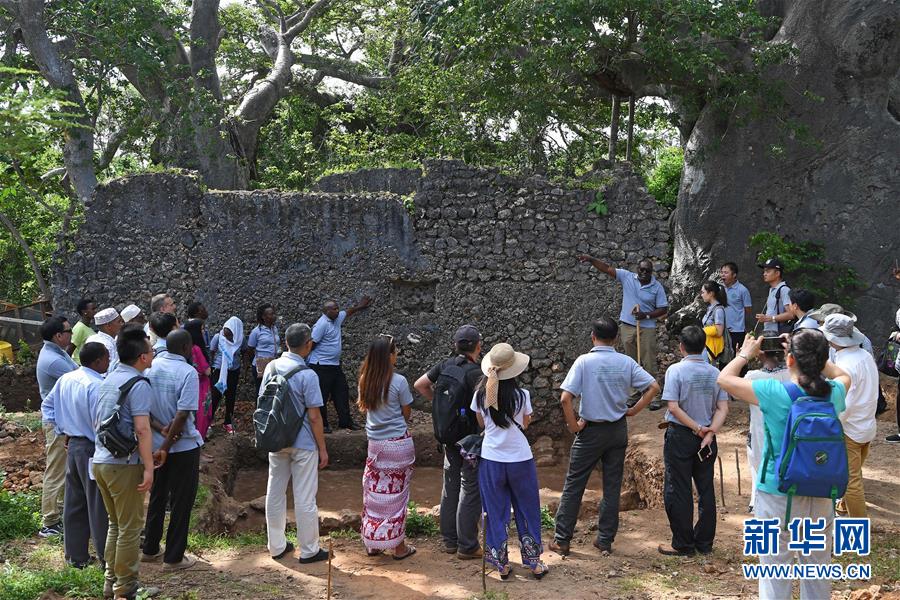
column 466, row 333
column 773, row 263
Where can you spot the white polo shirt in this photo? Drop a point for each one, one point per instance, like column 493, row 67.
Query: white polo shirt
column 862, row 397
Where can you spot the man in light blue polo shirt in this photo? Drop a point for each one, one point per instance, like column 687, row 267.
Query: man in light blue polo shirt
column 53, row 362
column 74, row 398
column 177, row 447
column 123, row 481
column 325, row 360
column 777, row 318
column 643, row 302
column 740, row 305
column 603, row 379
column 299, row 462
column 697, row 409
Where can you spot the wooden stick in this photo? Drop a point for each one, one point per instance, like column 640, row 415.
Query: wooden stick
column 483, row 556
column 721, row 480
column 330, row 554
column 737, row 464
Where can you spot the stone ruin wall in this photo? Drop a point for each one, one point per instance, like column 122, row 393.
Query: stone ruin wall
column 479, row 246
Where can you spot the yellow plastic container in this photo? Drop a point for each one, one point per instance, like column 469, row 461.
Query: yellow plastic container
column 6, row 351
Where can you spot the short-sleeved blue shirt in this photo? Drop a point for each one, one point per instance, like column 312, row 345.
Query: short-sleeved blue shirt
column 649, row 297
column 177, row 387
column 775, row 404
column 715, row 315
column 138, row 403
column 386, row 422
column 692, row 383
column 776, row 303
column 327, row 336
column 604, row 379
column 738, row 301
column 304, row 392
column 75, row 398
column 52, row 363
column 265, row 341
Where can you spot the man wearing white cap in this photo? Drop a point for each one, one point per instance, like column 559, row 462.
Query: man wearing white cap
column 109, row 322
column 862, row 399
column 130, row 313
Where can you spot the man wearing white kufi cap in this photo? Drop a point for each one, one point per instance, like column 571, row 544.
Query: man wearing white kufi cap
column 109, row 322
column 130, row 312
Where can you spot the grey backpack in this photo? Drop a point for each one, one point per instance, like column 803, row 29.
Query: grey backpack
column 276, row 421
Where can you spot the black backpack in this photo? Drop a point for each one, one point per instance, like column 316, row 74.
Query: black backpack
column 787, row 326
column 449, row 407
column 109, row 432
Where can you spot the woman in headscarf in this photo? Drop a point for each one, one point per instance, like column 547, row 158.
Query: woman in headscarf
column 200, row 359
column 226, row 347
column 506, row 472
column 385, row 399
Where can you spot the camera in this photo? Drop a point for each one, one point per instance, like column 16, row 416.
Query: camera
column 772, row 344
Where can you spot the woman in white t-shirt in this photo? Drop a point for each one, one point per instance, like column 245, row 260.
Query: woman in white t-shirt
column 506, row 473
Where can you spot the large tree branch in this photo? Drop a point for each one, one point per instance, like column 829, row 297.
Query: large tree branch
column 301, row 23
column 78, row 146
column 345, row 70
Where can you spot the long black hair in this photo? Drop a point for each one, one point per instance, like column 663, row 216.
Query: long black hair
column 195, row 328
column 810, row 350
column 510, row 399
column 717, row 290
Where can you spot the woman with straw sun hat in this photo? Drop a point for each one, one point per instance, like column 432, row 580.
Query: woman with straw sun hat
column 506, row 473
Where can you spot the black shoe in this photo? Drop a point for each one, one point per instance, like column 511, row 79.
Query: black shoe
column 893, row 438
column 657, row 404
column 51, row 530
column 288, row 549
column 603, row 548
column 353, row 427
column 322, row 555
column 670, row 551
column 327, row 429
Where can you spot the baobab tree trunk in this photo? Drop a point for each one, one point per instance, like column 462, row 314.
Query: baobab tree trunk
column 838, row 188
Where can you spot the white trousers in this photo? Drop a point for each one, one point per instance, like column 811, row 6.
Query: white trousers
column 301, row 467
column 770, row 506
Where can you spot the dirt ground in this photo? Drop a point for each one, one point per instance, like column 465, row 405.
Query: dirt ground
column 635, row 570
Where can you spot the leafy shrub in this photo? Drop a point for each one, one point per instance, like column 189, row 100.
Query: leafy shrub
column 548, row 521
column 419, row 525
column 20, row 515
column 17, row 583
column 805, row 267
column 665, row 177
column 598, row 206
column 24, row 355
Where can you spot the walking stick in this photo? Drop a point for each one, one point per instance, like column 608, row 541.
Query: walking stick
column 721, row 480
column 638, row 326
column 483, row 558
column 737, row 464
column 330, row 554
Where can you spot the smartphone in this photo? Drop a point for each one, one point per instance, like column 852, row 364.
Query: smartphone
column 772, row 344
column 704, row 453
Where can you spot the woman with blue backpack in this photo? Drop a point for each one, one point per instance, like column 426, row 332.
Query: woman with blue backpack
column 804, row 468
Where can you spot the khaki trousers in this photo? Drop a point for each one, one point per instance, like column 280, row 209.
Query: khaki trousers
column 854, row 500
column 54, row 477
column 628, row 335
column 125, row 505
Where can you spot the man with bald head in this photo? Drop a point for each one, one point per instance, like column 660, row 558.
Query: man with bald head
column 325, row 360
column 176, row 448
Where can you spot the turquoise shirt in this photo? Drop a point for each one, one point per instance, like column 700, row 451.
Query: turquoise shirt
column 775, row 404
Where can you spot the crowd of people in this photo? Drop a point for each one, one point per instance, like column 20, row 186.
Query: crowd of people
column 157, row 383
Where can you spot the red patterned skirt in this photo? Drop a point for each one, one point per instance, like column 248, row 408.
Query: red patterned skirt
column 386, row 478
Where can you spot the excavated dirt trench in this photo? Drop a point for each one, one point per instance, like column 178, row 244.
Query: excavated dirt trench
column 237, row 475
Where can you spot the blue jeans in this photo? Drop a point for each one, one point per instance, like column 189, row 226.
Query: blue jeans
column 503, row 484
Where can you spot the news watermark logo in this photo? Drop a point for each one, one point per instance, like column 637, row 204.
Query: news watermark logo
column 808, row 539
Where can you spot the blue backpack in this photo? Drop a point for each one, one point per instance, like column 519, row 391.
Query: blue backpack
column 813, row 459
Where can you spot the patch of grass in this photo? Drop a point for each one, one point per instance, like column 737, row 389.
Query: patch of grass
column 884, row 556
column 548, row 521
column 17, row 583
column 420, row 525
column 491, row 595
column 345, row 534
column 203, row 541
column 202, row 496
column 30, row 420
column 20, row 514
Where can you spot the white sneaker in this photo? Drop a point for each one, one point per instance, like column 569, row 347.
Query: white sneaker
column 187, row 562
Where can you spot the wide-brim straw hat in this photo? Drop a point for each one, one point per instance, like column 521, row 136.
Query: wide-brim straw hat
column 508, row 362
column 820, row 314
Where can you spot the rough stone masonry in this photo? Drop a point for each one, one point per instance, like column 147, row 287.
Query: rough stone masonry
column 479, row 246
